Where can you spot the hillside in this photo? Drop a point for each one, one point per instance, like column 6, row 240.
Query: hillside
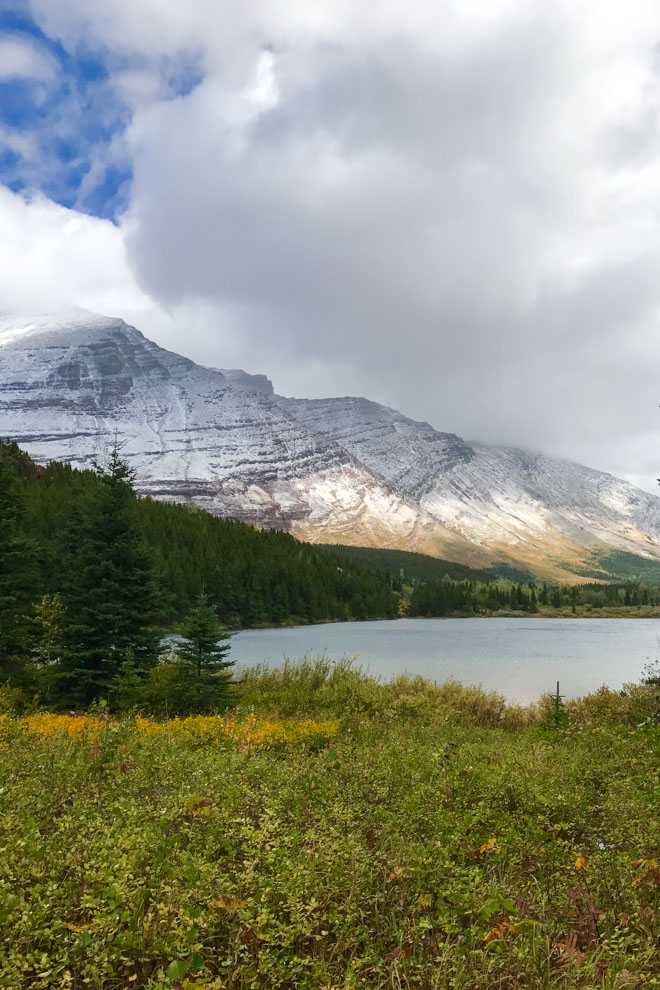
column 338, row 470
column 409, row 566
column 254, row 577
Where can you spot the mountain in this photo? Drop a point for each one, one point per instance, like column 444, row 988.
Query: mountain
column 341, row 470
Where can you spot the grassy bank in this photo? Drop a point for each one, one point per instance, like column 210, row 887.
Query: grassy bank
column 334, row 833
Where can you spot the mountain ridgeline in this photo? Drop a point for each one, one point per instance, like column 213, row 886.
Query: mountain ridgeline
column 338, row 470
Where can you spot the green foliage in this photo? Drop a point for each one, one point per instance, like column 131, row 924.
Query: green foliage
column 169, row 690
column 325, row 689
column 252, row 577
column 202, row 653
column 558, row 715
column 201, row 645
column 49, row 618
column 176, row 970
column 408, row 566
column 128, row 691
column 49, row 648
column 618, row 565
column 15, row 701
column 446, row 597
column 17, row 572
column 510, row 573
column 110, row 593
column 427, row 846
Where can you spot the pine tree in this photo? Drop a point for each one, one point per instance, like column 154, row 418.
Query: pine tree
column 111, row 598
column 17, row 576
column 202, row 652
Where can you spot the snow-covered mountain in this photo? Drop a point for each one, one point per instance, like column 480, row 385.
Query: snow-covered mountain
column 333, row 470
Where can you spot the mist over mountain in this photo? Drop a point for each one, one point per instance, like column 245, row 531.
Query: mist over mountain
column 336, row 470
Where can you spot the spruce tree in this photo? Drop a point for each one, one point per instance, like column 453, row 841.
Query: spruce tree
column 111, row 599
column 202, row 652
column 17, row 576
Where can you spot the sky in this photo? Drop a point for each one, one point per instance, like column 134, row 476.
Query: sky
column 448, row 206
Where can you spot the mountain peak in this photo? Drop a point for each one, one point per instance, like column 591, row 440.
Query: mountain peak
column 16, row 327
column 342, row 470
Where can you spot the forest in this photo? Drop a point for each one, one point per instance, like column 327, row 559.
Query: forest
column 433, row 587
column 449, row 597
column 93, row 577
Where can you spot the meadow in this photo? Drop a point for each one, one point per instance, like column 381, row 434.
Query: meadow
column 334, row 832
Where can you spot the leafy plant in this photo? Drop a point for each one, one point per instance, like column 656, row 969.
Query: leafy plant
column 445, row 841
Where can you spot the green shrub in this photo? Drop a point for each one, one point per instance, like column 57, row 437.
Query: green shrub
column 441, row 840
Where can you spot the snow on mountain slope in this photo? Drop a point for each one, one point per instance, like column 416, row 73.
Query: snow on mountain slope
column 402, row 450
column 69, row 383
column 515, row 502
column 334, row 470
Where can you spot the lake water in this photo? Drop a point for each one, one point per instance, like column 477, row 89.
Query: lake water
column 521, row 658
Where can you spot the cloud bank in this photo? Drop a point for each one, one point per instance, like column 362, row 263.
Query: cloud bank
column 450, row 207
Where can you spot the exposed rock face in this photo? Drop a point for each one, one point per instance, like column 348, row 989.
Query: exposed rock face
column 335, row 470
column 496, row 497
column 407, row 453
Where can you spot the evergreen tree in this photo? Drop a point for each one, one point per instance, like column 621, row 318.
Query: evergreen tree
column 128, row 691
column 111, row 597
column 17, row 576
column 202, row 652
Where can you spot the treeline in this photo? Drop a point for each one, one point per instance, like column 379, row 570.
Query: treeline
column 430, row 586
column 254, row 577
column 600, row 595
column 91, row 576
column 448, row 597
column 405, row 567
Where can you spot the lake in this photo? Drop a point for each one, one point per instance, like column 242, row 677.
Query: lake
column 521, row 658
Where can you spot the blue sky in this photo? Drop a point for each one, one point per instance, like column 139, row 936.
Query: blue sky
column 61, row 132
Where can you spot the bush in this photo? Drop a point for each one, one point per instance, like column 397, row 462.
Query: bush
column 411, row 846
column 629, row 706
column 14, row 701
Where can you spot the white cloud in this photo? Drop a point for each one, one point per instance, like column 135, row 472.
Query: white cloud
column 51, row 257
column 23, row 143
column 23, row 58
column 447, row 206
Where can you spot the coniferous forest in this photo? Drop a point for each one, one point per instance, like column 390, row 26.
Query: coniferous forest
column 92, row 577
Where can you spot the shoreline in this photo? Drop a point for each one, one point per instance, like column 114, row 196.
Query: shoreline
column 653, row 613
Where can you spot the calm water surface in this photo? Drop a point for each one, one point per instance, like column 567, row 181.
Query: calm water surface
column 521, row 658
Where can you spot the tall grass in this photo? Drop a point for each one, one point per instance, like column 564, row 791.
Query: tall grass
column 343, row 689
column 410, row 837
